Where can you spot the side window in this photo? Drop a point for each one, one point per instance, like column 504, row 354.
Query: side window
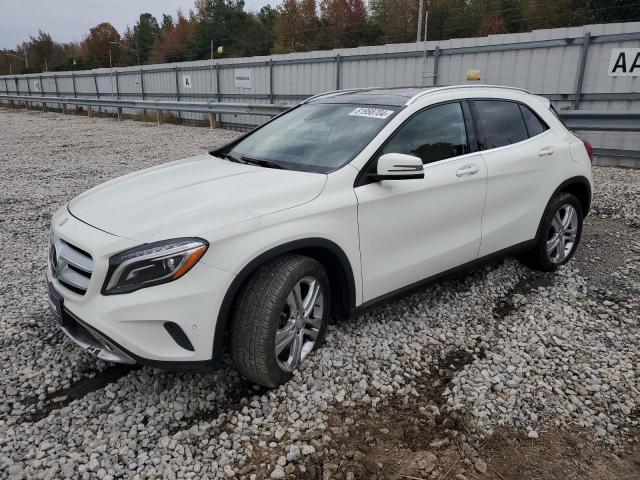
column 535, row 126
column 433, row 134
column 501, row 122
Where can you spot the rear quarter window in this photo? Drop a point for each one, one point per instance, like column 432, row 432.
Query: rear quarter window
column 535, row 126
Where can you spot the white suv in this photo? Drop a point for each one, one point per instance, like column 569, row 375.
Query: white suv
column 344, row 201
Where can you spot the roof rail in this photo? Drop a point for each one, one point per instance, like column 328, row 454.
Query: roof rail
column 347, row 90
column 451, row 87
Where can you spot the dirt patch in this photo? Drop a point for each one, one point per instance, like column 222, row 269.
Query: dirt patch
column 556, row 454
column 531, row 281
column 232, row 401
column 62, row 398
column 402, row 437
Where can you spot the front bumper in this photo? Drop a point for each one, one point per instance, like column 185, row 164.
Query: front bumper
column 92, row 341
column 132, row 327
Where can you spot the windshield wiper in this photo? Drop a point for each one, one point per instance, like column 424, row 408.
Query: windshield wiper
column 263, row 163
column 231, row 158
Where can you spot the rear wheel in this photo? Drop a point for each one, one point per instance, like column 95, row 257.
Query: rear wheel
column 280, row 317
column 558, row 235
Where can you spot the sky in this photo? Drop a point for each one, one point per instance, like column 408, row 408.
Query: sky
column 70, row 20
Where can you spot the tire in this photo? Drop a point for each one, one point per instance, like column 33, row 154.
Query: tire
column 266, row 306
column 543, row 256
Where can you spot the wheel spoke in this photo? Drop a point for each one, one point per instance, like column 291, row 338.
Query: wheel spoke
column 297, row 297
column 561, row 249
column 553, row 244
column 569, row 212
column 313, row 322
column 311, row 333
column 570, row 234
column 310, row 300
column 556, row 223
column 296, row 350
column 285, row 336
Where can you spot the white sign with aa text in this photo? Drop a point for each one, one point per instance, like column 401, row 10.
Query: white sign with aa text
column 36, row 86
column 186, row 81
column 624, row 62
column 242, row 77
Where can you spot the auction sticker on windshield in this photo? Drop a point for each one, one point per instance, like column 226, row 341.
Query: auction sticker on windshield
column 371, row 113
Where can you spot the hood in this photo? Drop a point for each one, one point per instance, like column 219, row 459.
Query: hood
column 191, row 197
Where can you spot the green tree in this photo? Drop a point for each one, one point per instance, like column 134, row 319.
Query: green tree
column 604, row 11
column 398, row 19
column 448, row 19
column 223, row 22
column 559, row 13
column 144, row 35
column 167, row 23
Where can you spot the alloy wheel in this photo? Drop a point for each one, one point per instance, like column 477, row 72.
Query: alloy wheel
column 562, row 233
column 300, row 323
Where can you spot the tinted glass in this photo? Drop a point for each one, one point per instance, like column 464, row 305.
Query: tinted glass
column 315, row 137
column 535, row 126
column 501, row 122
column 433, row 134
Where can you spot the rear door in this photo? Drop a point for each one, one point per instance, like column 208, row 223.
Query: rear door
column 524, row 159
column 414, row 229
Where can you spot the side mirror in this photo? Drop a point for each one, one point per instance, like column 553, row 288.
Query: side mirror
column 398, row 166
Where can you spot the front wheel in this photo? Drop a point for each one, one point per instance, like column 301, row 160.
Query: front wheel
column 558, row 235
column 280, row 316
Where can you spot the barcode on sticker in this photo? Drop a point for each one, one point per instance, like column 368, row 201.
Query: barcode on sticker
column 371, row 112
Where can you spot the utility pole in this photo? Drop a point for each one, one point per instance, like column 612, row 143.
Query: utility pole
column 426, row 23
column 46, row 69
column 420, row 12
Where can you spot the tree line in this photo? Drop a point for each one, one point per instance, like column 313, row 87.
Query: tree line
column 299, row 25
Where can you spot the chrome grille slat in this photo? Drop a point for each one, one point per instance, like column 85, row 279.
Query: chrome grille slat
column 73, row 278
column 70, row 266
column 75, row 258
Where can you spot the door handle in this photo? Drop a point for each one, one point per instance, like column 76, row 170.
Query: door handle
column 545, row 151
column 467, row 170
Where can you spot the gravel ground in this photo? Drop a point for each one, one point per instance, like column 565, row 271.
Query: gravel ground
column 421, row 387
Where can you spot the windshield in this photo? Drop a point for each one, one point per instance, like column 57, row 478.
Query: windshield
column 315, row 137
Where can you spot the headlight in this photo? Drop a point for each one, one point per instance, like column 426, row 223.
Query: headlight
column 152, row 264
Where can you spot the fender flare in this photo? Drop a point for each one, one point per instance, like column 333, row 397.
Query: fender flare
column 579, row 179
column 293, row 246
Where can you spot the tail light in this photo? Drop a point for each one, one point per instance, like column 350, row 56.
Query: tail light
column 589, row 148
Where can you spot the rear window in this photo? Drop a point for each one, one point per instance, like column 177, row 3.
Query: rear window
column 501, row 122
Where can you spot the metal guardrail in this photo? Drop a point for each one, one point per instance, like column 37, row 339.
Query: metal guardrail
column 592, row 120
column 602, row 120
column 589, row 120
column 161, row 105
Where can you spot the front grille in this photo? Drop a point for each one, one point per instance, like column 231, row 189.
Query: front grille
column 71, row 266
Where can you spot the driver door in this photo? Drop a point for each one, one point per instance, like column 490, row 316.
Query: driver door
column 413, row 229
